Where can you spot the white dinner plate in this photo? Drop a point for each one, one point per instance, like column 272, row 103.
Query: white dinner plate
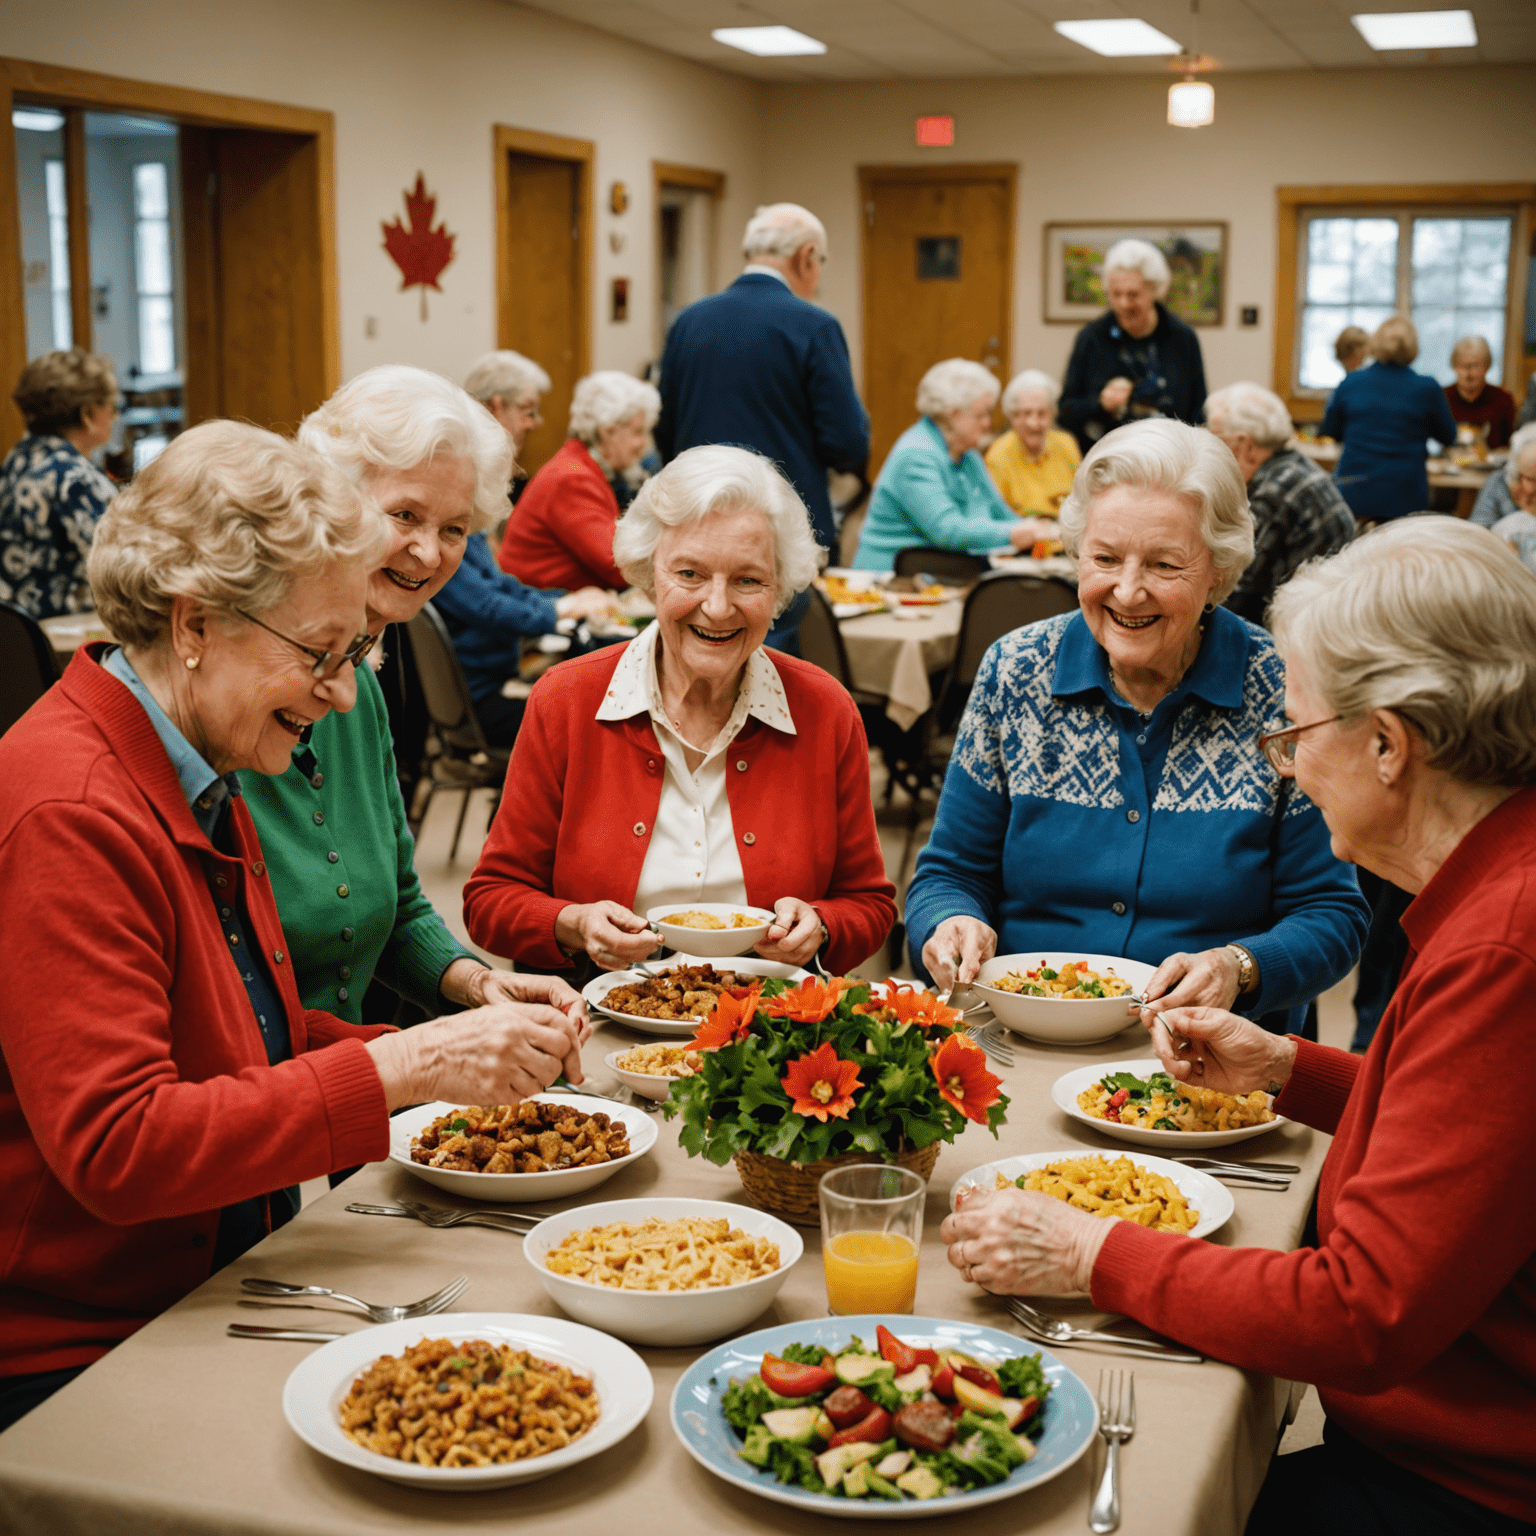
column 599, row 987
column 555, row 1185
column 318, row 1385
column 1065, row 1089
column 1212, row 1201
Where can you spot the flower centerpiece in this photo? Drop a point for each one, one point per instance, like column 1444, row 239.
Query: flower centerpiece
column 796, row 1080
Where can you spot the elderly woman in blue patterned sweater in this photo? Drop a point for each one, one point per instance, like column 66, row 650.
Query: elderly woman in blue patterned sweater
column 1108, row 794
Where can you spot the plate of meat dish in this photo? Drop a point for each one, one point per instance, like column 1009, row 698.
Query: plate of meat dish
column 681, row 996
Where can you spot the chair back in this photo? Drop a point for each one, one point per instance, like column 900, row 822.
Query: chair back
column 821, row 641
column 450, row 706
column 1000, row 602
column 924, row 559
column 27, row 666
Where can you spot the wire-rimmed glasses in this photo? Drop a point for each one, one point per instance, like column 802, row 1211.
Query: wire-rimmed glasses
column 1278, row 742
column 326, row 663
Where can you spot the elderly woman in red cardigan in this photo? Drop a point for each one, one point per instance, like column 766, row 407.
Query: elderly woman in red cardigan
column 1411, row 691
column 690, row 764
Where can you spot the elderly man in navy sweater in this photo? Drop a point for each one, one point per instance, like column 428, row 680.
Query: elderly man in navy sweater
column 760, row 366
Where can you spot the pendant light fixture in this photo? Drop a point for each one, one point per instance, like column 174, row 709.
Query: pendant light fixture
column 1192, row 102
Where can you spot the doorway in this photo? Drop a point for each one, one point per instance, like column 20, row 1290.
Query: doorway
column 938, row 281
column 544, row 268
column 687, row 199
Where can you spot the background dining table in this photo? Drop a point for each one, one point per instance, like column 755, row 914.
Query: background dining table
column 179, row 1431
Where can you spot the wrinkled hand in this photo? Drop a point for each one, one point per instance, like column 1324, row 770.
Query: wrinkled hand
column 967, row 937
column 1022, row 536
column 613, row 935
column 1209, row 1048
column 1206, row 980
column 497, row 986
column 1116, row 395
column 796, row 932
column 587, row 603
column 1019, row 1242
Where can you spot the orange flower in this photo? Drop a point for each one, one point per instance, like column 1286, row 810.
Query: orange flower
column 961, row 1068
column 731, row 1020
column 822, row 1083
column 810, row 1002
column 908, row 1005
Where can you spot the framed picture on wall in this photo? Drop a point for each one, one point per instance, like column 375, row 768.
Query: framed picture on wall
column 1196, row 251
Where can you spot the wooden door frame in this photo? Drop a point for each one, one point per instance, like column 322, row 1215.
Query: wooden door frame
column 582, row 153
column 666, row 173
column 1519, row 195
column 870, row 176
column 25, row 83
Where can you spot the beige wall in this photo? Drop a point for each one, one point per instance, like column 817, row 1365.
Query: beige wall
column 1100, row 148
column 417, row 87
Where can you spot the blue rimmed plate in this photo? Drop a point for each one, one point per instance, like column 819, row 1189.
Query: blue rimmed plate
column 1071, row 1416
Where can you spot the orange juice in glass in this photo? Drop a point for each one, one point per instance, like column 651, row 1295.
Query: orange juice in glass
column 871, row 1230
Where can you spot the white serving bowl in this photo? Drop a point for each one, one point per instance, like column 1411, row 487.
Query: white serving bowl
column 663, row 1317
column 596, row 991
column 517, row 1187
column 650, row 1085
column 712, row 943
column 1056, row 1020
column 1065, row 1089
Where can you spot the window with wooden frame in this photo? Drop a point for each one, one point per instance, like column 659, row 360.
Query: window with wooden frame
column 1449, row 257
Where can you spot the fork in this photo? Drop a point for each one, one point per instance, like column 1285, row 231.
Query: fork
column 447, row 1216
column 1191, row 1160
column 1117, row 1423
column 436, row 1302
column 634, row 1101
column 1051, row 1330
column 1000, row 1051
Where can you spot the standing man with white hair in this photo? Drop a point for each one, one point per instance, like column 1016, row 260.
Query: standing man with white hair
column 1298, row 512
column 1136, row 360
column 761, row 366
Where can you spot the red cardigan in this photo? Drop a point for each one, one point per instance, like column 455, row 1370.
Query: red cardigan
column 136, row 1099
column 561, row 531
column 1416, row 1313
column 582, row 796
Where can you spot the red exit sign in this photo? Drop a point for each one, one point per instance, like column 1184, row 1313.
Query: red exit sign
column 935, row 132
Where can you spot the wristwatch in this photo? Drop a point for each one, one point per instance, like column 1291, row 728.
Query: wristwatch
column 1247, row 971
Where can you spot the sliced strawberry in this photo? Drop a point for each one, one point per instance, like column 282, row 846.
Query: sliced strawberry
column 790, row 1380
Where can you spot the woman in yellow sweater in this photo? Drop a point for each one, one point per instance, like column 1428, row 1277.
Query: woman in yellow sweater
column 1033, row 464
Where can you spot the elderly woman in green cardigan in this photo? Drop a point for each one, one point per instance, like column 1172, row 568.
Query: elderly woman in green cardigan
column 934, row 488
column 333, row 827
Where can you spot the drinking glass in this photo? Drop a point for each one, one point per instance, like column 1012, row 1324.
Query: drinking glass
column 871, row 1231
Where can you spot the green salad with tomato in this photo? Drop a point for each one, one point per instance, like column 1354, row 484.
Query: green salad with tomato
column 904, row 1423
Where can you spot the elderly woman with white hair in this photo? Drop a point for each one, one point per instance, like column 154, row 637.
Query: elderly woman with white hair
column 1136, row 360
column 561, row 531
column 691, row 764
column 166, row 1086
column 1298, row 513
column 1514, row 488
column 1033, row 462
column 510, row 387
column 1410, row 723
column 1125, row 736
column 934, row 488
column 1474, row 402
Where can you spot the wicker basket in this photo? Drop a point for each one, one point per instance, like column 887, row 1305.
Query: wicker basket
column 789, row 1190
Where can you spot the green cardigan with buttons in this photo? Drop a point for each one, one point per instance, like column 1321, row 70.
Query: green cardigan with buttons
column 341, row 860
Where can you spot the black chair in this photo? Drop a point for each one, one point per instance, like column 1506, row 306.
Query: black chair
column 27, row 665
column 821, row 644
column 464, row 759
column 925, row 560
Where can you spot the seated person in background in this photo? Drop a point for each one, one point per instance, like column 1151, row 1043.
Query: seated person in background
column 51, row 495
column 692, row 764
column 1513, row 488
column 1352, row 348
column 1472, row 399
column 561, row 531
column 1032, row 462
column 934, row 488
column 1298, row 513
column 1107, row 792
column 1528, row 409
column 509, row 385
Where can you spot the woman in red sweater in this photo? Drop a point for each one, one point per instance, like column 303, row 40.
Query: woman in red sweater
column 690, row 764
column 560, row 533
column 1411, row 679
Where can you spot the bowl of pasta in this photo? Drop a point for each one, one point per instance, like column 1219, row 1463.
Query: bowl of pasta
column 663, row 1271
column 713, row 930
column 1062, row 998
column 1137, row 1101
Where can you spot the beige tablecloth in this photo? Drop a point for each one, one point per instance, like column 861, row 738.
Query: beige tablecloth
column 67, row 632
column 180, row 1431
column 892, row 654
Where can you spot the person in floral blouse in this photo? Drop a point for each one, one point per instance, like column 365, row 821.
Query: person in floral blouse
column 51, row 495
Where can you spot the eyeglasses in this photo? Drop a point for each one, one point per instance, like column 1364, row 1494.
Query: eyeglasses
column 326, row 663
column 1279, row 741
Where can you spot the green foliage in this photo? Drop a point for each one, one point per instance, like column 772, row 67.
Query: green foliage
column 1024, row 1377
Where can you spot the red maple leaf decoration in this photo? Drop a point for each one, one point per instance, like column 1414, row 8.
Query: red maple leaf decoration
column 420, row 252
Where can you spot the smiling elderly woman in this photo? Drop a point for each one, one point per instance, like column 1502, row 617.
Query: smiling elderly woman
column 164, row 1085
column 690, row 764
column 1411, row 678
column 1126, row 736
column 1033, row 462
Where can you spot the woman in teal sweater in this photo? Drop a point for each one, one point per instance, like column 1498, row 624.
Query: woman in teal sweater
column 934, row 488
column 333, row 827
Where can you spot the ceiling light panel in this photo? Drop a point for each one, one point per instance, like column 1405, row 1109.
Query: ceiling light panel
column 37, row 120
column 1118, row 37
column 768, row 42
column 1389, row 30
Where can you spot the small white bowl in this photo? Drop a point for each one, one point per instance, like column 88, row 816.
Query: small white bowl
column 712, row 943
column 650, row 1085
column 663, row 1317
column 1057, row 1020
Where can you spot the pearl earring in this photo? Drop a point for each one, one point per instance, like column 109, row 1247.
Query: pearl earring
column 192, row 663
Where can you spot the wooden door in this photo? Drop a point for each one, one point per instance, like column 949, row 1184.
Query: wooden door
column 938, row 281
column 543, row 286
